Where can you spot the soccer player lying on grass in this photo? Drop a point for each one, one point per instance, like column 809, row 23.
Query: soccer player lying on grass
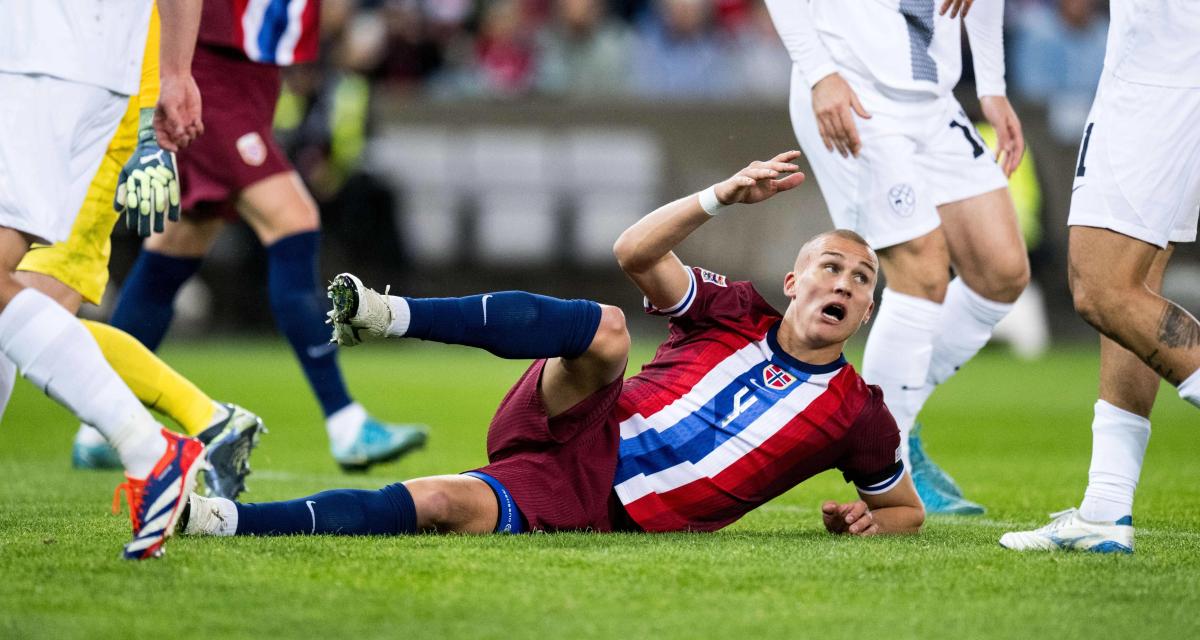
column 739, row 404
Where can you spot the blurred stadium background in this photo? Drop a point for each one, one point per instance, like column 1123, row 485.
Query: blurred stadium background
column 463, row 145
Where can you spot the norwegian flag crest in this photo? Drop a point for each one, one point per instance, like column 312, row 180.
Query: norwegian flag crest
column 777, row 378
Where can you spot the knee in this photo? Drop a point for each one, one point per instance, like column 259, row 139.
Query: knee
column 1094, row 301
column 435, row 508
column 1006, row 279
column 918, row 267
column 611, row 342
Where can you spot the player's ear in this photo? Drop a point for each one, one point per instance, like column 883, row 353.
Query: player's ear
column 789, row 284
column 867, row 315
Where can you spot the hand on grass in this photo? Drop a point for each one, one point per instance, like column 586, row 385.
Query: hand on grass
column 852, row 518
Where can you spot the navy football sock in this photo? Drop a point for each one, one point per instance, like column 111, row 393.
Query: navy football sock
column 346, row 512
column 299, row 310
column 147, row 302
column 510, row 324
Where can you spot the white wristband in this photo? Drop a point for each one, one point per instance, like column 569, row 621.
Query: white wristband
column 709, row 202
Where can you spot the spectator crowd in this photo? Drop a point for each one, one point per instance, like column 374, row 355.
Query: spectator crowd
column 686, row 50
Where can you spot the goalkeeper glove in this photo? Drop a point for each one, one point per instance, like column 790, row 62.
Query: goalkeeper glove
column 148, row 188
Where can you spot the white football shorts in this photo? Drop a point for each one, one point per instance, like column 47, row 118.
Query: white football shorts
column 915, row 156
column 54, row 136
column 1138, row 169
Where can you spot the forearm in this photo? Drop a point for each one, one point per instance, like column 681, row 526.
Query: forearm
column 793, row 21
column 650, row 240
column 985, row 31
column 180, row 23
column 899, row 519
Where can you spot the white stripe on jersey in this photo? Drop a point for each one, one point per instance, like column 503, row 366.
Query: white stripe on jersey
column 252, row 21
column 753, row 436
column 719, row 377
column 285, row 51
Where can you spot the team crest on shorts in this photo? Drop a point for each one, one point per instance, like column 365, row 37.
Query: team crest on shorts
column 714, row 278
column 252, row 149
column 776, row 378
column 903, row 199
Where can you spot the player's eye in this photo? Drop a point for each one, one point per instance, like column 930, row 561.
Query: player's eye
column 831, row 267
column 861, row 278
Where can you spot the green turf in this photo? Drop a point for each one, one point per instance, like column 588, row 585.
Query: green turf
column 1016, row 437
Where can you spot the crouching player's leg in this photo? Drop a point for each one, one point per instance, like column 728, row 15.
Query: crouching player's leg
column 551, row 445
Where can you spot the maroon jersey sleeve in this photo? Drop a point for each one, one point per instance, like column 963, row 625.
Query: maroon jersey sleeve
column 872, row 456
column 712, row 300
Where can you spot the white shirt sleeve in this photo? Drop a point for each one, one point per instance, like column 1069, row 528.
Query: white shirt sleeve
column 985, row 32
column 794, row 21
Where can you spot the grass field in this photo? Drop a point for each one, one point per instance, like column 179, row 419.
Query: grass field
column 1015, row 435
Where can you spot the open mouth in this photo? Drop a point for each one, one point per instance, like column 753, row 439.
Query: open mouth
column 833, row 311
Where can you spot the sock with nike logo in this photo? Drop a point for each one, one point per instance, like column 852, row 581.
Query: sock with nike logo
column 345, row 512
column 299, row 309
column 510, row 324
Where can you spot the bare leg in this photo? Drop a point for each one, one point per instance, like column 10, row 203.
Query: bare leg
column 1108, row 276
column 919, row 267
column 985, row 244
column 277, row 207
column 64, row 295
column 188, row 238
column 454, row 504
column 567, row 382
column 1125, row 381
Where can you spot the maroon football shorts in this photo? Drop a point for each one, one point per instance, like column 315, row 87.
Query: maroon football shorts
column 238, row 147
column 559, row 470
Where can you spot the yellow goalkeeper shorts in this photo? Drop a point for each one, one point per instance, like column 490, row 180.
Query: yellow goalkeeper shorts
column 81, row 262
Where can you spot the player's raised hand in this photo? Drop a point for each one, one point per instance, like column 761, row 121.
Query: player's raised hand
column 853, row 518
column 1010, row 142
column 148, row 187
column 835, row 103
column 956, row 7
column 761, row 180
column 177, row 116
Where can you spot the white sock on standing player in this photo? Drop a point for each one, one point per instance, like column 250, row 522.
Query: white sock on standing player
column 1189, row 389
column 966, row 325
column 55, row 352
column 344, row 424
column 898, row 353
column 1119, row 441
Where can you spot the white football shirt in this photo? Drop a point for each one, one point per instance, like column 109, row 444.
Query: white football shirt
column 1155, row 42
column 904, row 46
column 97, row 42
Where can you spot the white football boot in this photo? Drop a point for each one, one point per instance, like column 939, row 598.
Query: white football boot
column 1069, row 531
column 358, row 311
column 209, row 517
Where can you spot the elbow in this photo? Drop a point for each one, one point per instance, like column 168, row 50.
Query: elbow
column 626, row 253
column 918, row 519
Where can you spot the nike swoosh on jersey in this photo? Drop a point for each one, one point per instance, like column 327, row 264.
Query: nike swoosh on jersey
column 485, row 299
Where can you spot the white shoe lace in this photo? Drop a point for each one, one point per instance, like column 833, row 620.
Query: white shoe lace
column 1059, row 519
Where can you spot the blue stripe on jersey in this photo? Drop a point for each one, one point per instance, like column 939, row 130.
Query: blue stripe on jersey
column 700, row 433
column 274, row 23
